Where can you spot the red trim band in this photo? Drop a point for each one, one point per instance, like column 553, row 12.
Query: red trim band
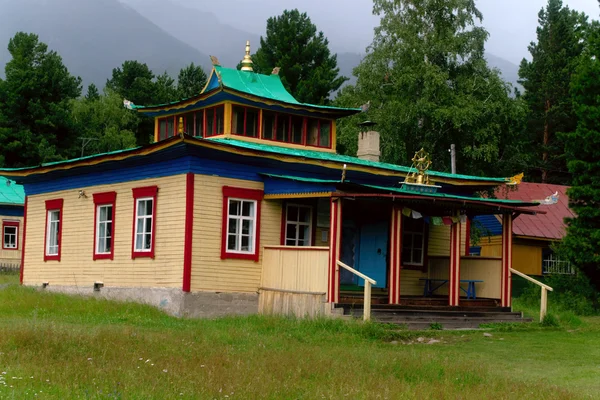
column 104, row 199
column 23, row 247
column 53, row 205
column 152, row 192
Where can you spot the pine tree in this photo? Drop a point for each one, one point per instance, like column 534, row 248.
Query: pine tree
column 546, row 79
column 429, row 86
column 92, row 93
column 582, row 243
column 308, row 70
column 35, row 104
column 191, row 81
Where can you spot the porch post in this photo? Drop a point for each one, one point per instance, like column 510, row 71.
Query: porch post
column 396, row 254
column 454, row 272
column 507, row 233
column 335, row 233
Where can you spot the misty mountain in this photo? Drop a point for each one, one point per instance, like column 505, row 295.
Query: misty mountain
column 509, row 71
column 200, row 29
column 95, row 36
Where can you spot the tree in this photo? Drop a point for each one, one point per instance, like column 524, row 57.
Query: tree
column 135, row 82
column 191, row 81
column 582, row 242
column 92, row 93
column 35, row 104
column 103, row 124
column 429, row 86
column 165, row 90
column 546, row 79
column 308, row 69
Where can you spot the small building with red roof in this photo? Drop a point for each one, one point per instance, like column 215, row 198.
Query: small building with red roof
column 533, row 235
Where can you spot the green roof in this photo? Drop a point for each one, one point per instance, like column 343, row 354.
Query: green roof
column 328, row 156
column 10, row 193
column 513, row 203
column 265, row 86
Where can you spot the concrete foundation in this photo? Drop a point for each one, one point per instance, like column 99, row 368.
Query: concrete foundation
column 174, row 301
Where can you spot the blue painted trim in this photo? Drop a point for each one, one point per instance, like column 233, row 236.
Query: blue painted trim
column 8, row 211
column 280, row 186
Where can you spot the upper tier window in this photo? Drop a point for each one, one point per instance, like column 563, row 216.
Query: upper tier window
column 202, row 123
column 244, row 121
column 296, row 129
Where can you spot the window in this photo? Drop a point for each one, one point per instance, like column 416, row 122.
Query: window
column 298, row 225
column 268, row 125
column 144, row 221
column 104, row 231
column 214, row 121
column 10, row 230
column 413, row 241
column 241, row 223
column 297, row 130
column 166, row 128
column 199, row 123
column 53, row 244
column 244, row 121
column 319, row 133
column 282, row 128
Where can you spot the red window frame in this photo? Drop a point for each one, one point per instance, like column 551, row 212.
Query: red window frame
column 15, row 224
column 54, row 205
column 167, row 133
column 139, row 193
column 104, row 199
column 258, row 133
column 319, row 121
column 214, row 110
column 243, row 194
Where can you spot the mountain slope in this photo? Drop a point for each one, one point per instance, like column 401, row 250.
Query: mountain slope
column 199, row 29
column 95, row 36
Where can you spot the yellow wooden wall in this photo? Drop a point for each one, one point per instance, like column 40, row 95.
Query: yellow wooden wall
column 475, row 268
column 12, row 256
column 209, row 271
column 439, row 240
column 526, row 258
column 290, row 268
column 77, row 267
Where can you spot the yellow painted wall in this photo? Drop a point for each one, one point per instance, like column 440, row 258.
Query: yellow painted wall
column 487, row 270
column 209, row 271
column 410, row 285
column 439, row 240
column 527, row 258
column 287, row 268
column 77, row 267
column 12, row 256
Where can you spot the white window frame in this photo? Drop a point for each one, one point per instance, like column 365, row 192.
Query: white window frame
column 16, row 235
column 108, row 234
column 240, row 218
column 50, row 223
column 143, row 233
column 298, row 224
column 412, row 235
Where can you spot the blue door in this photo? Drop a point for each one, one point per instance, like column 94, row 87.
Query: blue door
column 372, row 257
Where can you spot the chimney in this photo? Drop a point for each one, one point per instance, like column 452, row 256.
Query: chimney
column 368, row 142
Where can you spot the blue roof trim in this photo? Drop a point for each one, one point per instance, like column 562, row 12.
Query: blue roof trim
column 489, row 225
column 11, row 211
column 286, row 186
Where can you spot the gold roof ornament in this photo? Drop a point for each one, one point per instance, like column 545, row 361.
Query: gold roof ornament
column 247, row 61
column 515, row 180
column 418, row 179
column 215, row 61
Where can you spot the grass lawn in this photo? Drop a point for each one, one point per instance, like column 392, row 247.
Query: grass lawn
column 56, row 346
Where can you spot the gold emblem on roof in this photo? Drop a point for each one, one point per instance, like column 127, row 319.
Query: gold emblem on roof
column 247, row 61
column 421, row 163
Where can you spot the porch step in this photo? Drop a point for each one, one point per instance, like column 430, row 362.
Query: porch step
column 448, row 317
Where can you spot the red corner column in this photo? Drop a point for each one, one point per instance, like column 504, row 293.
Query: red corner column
column 454, row 272
column 396, row 254
column 507, row 234
column 188, row 235
column 335, row 233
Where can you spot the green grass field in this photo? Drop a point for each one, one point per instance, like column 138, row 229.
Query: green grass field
column 60, row 347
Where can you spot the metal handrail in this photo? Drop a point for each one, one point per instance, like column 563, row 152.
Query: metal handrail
column 367, row 293
column 545, row 289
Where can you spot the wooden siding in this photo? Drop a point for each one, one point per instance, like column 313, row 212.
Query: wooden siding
column 12, row 256
column 209, row 271
column 291, row 269
column 439, row 240
column 526, row 258
column 486, row 269
column 410, row 285
column 77, row 267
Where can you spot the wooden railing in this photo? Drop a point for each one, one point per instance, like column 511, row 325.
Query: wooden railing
column 545, row 288
column 367, row 294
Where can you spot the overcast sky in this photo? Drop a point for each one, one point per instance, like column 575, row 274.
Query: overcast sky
column 349, row 23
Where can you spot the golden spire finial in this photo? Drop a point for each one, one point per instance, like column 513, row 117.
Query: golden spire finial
column 247, row 61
